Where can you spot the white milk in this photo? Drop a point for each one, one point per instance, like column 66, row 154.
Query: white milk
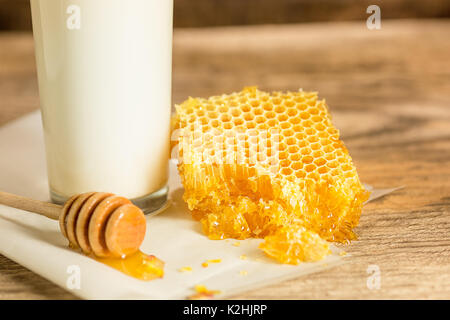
column 104, row 69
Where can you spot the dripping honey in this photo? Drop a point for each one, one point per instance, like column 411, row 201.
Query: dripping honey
column 137, row 265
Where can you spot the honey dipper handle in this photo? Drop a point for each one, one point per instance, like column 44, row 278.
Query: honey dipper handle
column 47, row 209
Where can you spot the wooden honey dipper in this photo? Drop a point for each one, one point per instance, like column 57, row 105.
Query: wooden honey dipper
column 98, row 223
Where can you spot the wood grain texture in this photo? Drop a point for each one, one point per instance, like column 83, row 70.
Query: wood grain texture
column 389, row 93
column 16, row 14
column 46, row 209
column 202, row 13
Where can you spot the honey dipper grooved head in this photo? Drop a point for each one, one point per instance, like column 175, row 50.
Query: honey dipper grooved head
column 103, row 224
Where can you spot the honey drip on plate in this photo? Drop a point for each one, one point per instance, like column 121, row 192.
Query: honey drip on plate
column 138, row 265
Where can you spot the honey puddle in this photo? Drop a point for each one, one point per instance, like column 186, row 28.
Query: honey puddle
column 138, row 265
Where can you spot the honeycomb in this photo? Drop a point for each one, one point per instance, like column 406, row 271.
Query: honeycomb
column 268, row 165
column 295, row 244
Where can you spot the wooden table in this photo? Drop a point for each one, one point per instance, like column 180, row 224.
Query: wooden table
column 389, row 92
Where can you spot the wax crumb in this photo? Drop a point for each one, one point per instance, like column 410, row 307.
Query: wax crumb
column 215, row 261
column 203, row 293
column 237, row 244
column 243, row 273
column 200, row 288
column 207, row 262
column 243, row 257
column 185, row 269
column 342, row 253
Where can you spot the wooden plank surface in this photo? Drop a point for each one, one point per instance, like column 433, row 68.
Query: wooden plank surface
column 16, row 14
column 389, row 93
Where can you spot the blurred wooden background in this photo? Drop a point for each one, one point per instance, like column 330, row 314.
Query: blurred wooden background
column 15, row 14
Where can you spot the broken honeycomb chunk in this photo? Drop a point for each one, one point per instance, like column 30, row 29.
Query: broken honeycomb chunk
column 267, row 165
column 295, row 244
column 185, row 269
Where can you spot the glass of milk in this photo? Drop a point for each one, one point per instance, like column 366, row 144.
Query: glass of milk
column 104, row 71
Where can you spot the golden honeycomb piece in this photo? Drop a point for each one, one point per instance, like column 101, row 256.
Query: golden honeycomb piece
column 294, row 244
column 267, row 165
